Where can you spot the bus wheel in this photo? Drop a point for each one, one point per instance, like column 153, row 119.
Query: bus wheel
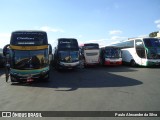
column 102, row 62
column 82, row 64
column 57, row 67
column 133, row 63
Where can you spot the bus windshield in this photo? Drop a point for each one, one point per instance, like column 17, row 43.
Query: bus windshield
column 30, row 59
column 112, row 53
column 153, row 48
column 69, row 56
column 152, row 42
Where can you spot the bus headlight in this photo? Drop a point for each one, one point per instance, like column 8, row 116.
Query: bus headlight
column 43, row 72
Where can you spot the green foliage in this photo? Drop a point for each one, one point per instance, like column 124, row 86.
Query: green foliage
column 153, row 34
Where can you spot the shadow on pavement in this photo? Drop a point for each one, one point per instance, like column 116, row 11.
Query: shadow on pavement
column 86, row 78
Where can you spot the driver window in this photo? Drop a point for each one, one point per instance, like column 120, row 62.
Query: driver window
column 140, row 48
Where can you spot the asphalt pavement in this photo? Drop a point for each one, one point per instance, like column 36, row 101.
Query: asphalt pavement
column 98, row 88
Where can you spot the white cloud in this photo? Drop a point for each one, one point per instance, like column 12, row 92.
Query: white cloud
column 158, row 26
column 143, row 36
column 50, row 29
column 80, row 36
column 4, row 39
column 95, row 41
column 105, row 41
column 157, row 22
column 118, row 38
column 99, row 41
column 113, row 32
column 5, row 34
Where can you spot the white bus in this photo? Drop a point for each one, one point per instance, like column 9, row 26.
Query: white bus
column 141, row 51
column 90, row 53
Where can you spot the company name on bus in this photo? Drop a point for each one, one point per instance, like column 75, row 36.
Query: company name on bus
column 62, row 42
column 24, row 38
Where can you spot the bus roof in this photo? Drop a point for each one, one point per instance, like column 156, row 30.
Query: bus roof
column 129, row 39
column 91, row 44
column 139, row 38
column 67, row 39
column 81, row 45
column 21, row 31
column 28, row 31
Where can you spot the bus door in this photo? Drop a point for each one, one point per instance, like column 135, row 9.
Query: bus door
column 141, row 52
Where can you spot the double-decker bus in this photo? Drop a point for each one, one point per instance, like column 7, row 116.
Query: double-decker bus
column 110, row 55
column 141, row 51
column 66, row 54
column 28, row 56
column 90, row 53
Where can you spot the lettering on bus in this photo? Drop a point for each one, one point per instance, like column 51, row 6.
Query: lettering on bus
column 65, row 42
column 24, row 38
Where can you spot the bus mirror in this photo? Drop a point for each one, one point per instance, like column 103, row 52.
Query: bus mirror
column 6, row 50
column 50, row 48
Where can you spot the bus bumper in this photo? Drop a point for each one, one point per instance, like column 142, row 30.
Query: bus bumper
column 29, row 77
column 65, row 65
column 113, row 63
column 153, row 63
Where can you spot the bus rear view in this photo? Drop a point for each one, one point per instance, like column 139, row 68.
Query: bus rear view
column 90, row 52
column 66, row 54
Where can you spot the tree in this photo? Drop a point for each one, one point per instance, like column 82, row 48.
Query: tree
column 153, row 34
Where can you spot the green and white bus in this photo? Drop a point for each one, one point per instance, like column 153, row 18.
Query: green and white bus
column 29, row 56
column 141, row 51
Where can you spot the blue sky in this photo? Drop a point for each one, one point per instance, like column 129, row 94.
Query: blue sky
column 102, row 21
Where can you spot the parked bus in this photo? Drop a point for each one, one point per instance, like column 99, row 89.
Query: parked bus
column 28, row 56
column 141, row 51
column 110, row 55
column 90, row 53
column 66, row 54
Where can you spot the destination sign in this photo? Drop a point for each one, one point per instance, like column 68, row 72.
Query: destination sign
column 65, row 42
column 24, row 38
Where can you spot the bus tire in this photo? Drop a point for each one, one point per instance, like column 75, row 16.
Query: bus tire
column 102, row 62
column 132, row 63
